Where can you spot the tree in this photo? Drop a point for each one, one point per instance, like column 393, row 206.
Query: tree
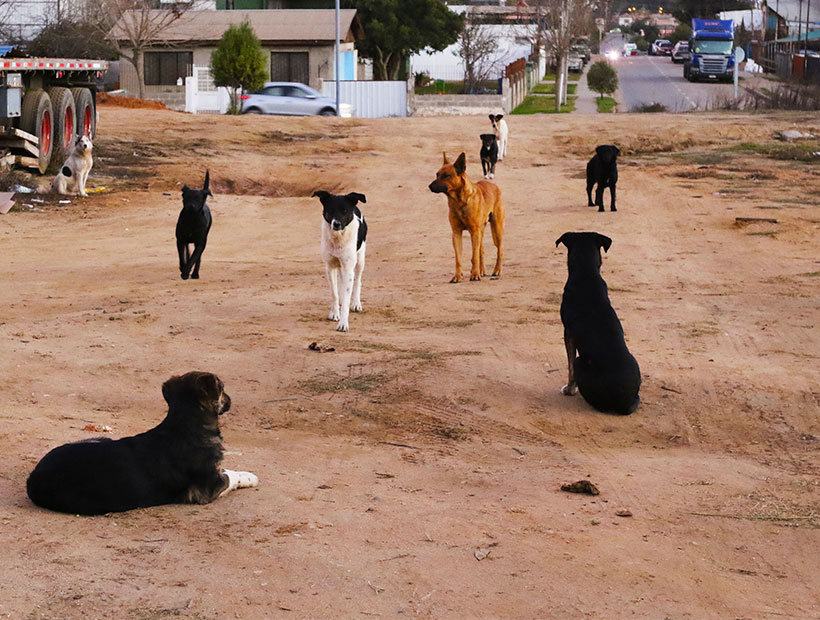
column 685, row 10
column 557, row 21
column 396, row 29
column 69, row 39
column 133, row 25
column 238, row 62
column 681, row 33
column 478, row 49
column 602, row 78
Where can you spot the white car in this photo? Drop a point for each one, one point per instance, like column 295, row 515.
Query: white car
column 575, row 62
column 630, row 49
column 294, row 99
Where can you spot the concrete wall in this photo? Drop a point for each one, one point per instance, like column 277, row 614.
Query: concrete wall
column 455, row 105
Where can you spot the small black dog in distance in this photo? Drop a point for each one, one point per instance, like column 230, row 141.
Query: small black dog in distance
column 604, row 371
column 193, row 225
column 602, row 170
column 176, row 462
column 489, row 154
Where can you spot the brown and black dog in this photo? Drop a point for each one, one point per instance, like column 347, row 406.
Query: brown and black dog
column 472, row 205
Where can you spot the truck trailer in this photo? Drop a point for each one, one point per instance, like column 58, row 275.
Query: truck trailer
column 45, row 104
column 711, row 50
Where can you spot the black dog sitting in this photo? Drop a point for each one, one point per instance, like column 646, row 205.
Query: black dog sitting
column 603, row 170
column 605, row 372
column 489, row 154
column 192, row 228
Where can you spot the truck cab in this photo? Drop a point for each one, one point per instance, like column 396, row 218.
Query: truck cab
column 711, row 50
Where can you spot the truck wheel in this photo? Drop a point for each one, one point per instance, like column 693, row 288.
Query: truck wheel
column 36, row 118
column 86, row 112
column 65, row 124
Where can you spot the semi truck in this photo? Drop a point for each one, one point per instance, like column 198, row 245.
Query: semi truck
column 711, row 54
column 45, row 104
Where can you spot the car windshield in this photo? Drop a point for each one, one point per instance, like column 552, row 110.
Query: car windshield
column 713, row 47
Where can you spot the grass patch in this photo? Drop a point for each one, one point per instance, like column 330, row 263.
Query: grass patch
column 770, row 233
column 811, row 274
column 338, row 383
column 573, row 77
column 549, row 89
column 606, row 105
column 767, row 207
column 805, row 150
column 543, row 105
column 452, row 88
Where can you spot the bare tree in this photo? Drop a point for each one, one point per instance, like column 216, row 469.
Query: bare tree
column 134, row 25
column 478, row 48
column 557, row 22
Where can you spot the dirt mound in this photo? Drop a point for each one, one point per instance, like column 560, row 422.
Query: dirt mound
column 129, row 102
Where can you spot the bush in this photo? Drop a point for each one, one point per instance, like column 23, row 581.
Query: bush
column 681, row 33
column 602, row 78
column 643, row 44
column 421, row 79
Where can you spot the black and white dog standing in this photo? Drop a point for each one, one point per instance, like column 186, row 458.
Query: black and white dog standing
column 488, row 154
column 344, row 234
column 193, row 225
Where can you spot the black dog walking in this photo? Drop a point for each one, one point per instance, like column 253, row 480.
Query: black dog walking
column 602, row 170
column 604, row 371
column 193, row 225
column 489, row 154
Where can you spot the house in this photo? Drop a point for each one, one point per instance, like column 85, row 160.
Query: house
column 299, row 44
column 788, row 17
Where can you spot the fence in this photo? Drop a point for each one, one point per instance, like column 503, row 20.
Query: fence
column 202, row 97
column 370, row 99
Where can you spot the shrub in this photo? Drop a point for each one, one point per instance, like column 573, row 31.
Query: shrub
column 239, row 63
column 602, row 78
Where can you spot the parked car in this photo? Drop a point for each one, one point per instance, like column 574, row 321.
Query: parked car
column 575, row 62
column 630, row 49
column 293, row 99
column 582, row 49
column 661, row 47
column 680, row 53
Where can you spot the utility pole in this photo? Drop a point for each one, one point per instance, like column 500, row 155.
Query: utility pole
column 338, row 69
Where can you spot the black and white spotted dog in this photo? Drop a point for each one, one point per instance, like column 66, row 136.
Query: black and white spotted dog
column 344, row 234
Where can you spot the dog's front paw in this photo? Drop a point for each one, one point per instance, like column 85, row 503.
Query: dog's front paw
column 184, row 276
column 334, row 315
column 569, row 390
column 497, row 273
column 456, row 279
column 475, row 277
column 600, row 209
column 343, row 327
column 612, row 208
column 194, row 276
column 356, row 306
column 246, row 480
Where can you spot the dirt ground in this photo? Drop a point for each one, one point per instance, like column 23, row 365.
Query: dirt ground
column 415, row 471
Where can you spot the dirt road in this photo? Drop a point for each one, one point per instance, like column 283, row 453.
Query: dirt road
column 415, row 471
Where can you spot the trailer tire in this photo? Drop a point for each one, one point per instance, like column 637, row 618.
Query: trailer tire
column 86, row 112
column 65, row 124
column 37, row 118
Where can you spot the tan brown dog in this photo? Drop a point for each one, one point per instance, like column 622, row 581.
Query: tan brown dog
column 472, row 205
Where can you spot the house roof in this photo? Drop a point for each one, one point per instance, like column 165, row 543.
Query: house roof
column 274, row 25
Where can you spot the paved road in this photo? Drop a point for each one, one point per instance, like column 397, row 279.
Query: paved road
column 656, row 79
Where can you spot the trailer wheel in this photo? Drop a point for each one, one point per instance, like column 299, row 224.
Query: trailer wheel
column 36, row 118
column 86, row 114
column 65, row 124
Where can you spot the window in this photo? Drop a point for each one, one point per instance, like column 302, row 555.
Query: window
column 289, row 67
column 165, row 68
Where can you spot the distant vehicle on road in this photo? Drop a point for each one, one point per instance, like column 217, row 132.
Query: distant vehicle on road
column 630, row 49
column 661, row 47
column 680, row 53
column 711, row 52
column 292, row 99
column 575, row 62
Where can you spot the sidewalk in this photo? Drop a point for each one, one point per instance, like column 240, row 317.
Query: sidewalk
column 585, row 103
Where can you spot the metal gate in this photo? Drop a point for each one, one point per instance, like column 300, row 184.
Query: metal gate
column 370, row 99
column 202, row 96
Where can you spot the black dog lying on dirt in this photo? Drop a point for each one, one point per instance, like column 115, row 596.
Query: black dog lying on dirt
column 175, row 462
column 489, row 154
column 602, row 170
column 605, row 372
column 193, row 225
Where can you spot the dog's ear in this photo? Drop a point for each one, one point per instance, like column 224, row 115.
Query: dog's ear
column 492, row 117
column 603, row 241
column 322, row 194
column 461, row 164
column 498, row 117
column 357, row 197
column 207, row 387
column 206, row 187
column 617, row 151
column 185, row 188
column 600, row 149
column 566, row 239
column 446, row 161
column 171, row 390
